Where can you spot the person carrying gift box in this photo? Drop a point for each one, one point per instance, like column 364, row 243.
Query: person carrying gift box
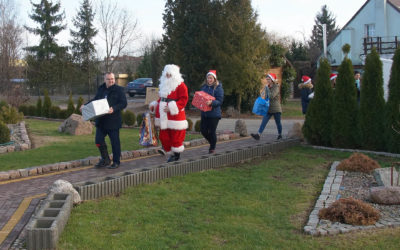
column 210, row 119
column 170, row 111
column 111, row 123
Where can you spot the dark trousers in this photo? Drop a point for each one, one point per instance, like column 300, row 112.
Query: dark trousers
column 208, row 130
column 113, row 134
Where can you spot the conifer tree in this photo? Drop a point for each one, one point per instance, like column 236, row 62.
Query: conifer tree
column 318, row 123
column 372, row 104
column 70, row 108
column 393, row 107
column 78, row 106
column 39, row 107
column 46, row 104
column 345, row 132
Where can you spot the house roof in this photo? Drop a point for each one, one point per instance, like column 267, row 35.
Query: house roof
column 395, row 3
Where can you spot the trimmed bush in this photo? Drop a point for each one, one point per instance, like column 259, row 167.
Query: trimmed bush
column 46, row 104
column 358, row 162
column 10, row 115
column 345, row 132
column 393, row 107
column 197, row 126
column 190, row 124
column 63, row 114
column 71, row 107
column 32, row 110
column 139, row 119
column 129, row 118
column 4, row 133
column 23, row 109
column 78, row 106
column 54, row 112
column 350, row 211
column 317, row 127
column 372, row 104
column 38, row 109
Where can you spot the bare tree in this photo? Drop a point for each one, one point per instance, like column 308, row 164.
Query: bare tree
column 10, row 50
column 118, row 29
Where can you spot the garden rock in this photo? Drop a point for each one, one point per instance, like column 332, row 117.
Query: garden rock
column 75, row 125
column 386, row 195
column 240, row 128
column 295, row 131
column 61, row 186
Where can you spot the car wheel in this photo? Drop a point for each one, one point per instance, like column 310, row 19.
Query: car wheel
column 131, row 94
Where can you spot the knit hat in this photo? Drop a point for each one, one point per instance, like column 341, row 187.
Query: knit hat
column 212, row 72
column 332, row 76
column 272, row 76
column 305, row 79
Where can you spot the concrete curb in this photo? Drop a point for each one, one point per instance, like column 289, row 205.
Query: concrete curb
column 46, row 226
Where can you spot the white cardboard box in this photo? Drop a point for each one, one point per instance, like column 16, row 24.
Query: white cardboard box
column 95, row 109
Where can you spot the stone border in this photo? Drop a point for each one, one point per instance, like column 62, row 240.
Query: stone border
column 25, row 143
column 47, row 224
column 329, row 194
column 357, row 151
column 92, row 160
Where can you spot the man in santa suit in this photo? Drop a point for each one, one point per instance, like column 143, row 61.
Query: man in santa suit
column 170, row 111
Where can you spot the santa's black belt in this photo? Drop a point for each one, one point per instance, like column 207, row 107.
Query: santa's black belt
column 166, row 99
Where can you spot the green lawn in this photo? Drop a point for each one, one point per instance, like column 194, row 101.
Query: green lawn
column 263, row 204
column 60, row 147
column 292, row 109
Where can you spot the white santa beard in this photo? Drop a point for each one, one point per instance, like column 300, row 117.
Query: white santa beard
column 168, row 85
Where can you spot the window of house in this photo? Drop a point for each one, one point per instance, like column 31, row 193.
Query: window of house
column 369, row 30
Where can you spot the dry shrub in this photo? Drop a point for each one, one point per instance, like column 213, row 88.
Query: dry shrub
column 358, row 162
column 350, row 211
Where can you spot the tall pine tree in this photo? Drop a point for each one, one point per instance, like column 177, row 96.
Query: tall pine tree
column 318, row 123
column 372, row 104
column 393, row 107
column 345, row 132
column 82, row 44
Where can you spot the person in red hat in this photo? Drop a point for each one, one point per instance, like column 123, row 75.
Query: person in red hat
column 333, row 77
column 305, row 90
column 170, row 111
column 271, row 91
column 210, row 119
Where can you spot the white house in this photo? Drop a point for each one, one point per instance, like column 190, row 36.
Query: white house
column 375, row 24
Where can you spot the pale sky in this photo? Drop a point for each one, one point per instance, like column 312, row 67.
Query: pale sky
column 294, row 18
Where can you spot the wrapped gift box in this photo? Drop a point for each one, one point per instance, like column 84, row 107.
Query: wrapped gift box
column 199, row 100
column 95, row 109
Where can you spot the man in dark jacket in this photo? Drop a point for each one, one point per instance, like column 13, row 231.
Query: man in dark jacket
column 110, row 123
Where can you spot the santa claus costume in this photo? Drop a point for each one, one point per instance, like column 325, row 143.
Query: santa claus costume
column 170, row 111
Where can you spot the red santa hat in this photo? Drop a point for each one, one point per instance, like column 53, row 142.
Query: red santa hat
column 332, row 76
column 212, row 72
column 305, row 79
column 272, row 76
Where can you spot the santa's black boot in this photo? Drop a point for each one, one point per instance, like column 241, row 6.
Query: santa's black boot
column 174, row 157
column 105, row 158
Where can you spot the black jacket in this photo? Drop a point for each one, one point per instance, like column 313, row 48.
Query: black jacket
column 117, row 100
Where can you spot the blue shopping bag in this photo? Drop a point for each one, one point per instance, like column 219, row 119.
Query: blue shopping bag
column 261, row 106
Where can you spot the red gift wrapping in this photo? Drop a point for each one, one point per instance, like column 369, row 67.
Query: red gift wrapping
column 199, row 100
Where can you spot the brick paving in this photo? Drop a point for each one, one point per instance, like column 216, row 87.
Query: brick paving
column 12, row 194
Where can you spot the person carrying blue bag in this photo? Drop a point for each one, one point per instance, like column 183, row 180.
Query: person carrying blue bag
column 271, row 92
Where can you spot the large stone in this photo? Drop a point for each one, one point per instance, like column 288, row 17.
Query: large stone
column 61, row 186
column 75, row 125
column 386, row 195
column 240, row 128
column 295, row 132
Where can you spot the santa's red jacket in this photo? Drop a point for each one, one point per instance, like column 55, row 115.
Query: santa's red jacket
column 176, row 101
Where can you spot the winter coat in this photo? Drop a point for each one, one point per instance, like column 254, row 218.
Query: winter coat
column 305, row 91
column 117, row 100
column 274, row 98
column 218, row 92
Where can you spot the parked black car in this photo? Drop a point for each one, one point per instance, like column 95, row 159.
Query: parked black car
column 138, row 86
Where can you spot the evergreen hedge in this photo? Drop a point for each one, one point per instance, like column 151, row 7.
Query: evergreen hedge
column 46, row 104
column 78, row 106
column 4, row 133
column 318, row 121
column 71, row 107
column 129, row 118
column 38, row 109
column 372, row 104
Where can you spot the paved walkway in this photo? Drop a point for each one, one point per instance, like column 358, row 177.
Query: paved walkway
column 19, row 198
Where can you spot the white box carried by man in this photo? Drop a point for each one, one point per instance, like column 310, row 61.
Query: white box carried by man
column 95, row 109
